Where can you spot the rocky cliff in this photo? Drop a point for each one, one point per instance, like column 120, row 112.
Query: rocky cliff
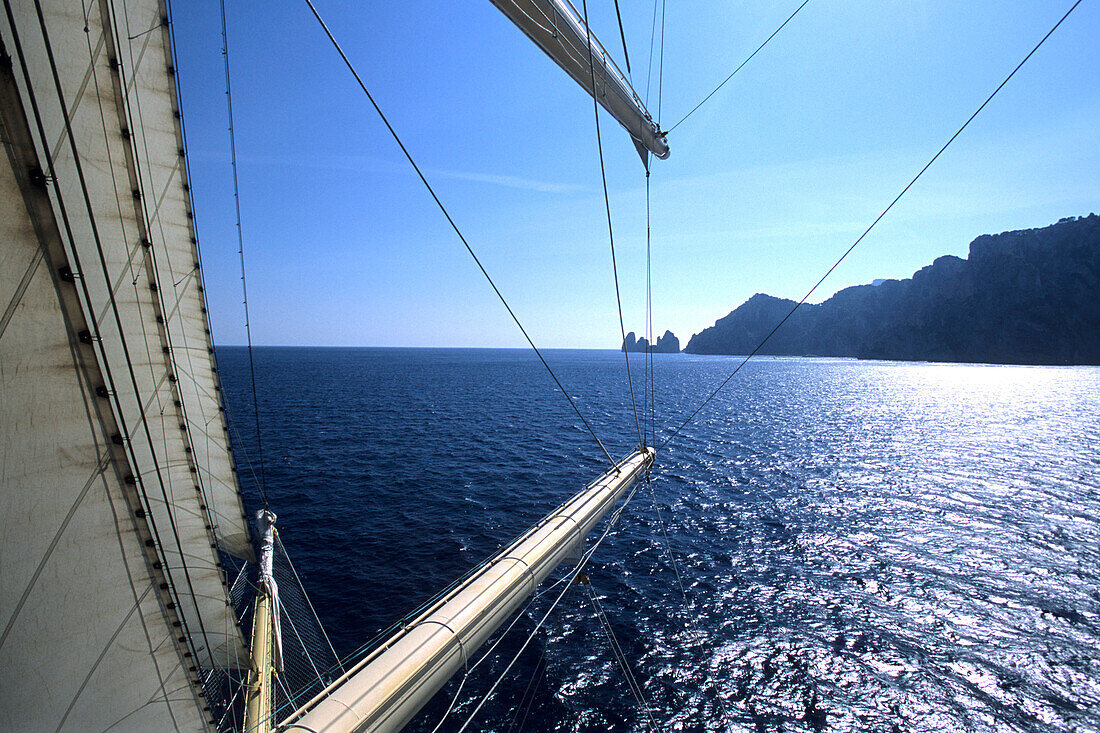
column 1022, row 297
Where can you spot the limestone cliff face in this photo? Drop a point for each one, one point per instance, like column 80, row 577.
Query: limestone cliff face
column 1023, row 297
column 667, row 344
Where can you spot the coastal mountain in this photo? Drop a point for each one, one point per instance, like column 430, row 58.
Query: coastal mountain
column 667, row 344
column 1021, row 297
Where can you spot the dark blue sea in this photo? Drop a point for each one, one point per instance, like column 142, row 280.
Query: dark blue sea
column 864, row 546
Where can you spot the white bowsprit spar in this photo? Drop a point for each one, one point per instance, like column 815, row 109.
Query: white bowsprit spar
column 560, row 31
column 120, row 601
column 384, row 690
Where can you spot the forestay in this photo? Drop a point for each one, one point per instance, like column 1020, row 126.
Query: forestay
column 117, row 489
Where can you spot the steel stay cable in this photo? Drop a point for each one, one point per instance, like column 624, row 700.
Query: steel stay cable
column 868, row 229
column 741, row 66
column 454, row 226
column 305, row 595
column 661, row 66
column 572, row 575
column 610, row 229
column 240, row 248
column 692, row 619
column 647, row 323
column 649, row 68
column 617, row 651
column 538, row 673
column 622, row 35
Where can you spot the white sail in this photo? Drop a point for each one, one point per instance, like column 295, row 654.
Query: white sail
column 557, row 28
column 116, row 486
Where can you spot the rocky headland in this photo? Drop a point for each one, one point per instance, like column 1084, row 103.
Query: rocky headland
column 1021, row 297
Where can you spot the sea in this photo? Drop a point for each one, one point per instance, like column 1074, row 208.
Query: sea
column 830, row 545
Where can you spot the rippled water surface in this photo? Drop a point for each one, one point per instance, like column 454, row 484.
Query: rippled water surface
column 864, row 546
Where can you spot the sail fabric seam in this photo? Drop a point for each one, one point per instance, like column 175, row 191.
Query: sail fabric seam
column 100, row 468
column 76, row 102
column 99, row 659
column 454, row 226
column 72, row 312
column 221, row 443
column 171, row 507
column 20, row 289
column 149, row 254
column 211, row 444
column 50, row 162
column 209, row 342
column 144, row 222
column 870, row 227
column 143, row 421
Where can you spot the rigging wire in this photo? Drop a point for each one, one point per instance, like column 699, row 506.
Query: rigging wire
column 741, row 66
column 649, row 318
column 571, row 576
column 869, row 228
column 622, row 35
column 661, row 65
column 454, row 226
column 240, row 249
column 649, row 68
column 527, row 701
column 617, row 652
column 298, row 580
column 610, row 229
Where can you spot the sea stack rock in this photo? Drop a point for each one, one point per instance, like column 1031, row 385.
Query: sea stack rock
column 667, row 344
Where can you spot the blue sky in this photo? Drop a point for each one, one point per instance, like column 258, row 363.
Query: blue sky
column 767, row 183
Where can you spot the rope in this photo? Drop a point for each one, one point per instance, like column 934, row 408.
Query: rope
column 869, row 228
column 742, row 65
column 610, row 229
column 240, row 250
column 649, row 68
column 618, row 653
column 454, row 226
column 572, row 575
column 661, row 66
column 650, row 386
column 622, row 35
column 305, row 595
column 693, row 619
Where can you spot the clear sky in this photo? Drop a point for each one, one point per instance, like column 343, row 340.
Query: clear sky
column 767, row 183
